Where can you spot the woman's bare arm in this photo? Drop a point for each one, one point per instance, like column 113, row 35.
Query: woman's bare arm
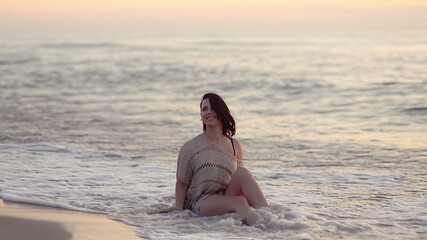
column 239, row 149
column 180, row 193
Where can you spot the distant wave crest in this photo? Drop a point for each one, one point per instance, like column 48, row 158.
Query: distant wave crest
column 416, row 110
column 80, row 45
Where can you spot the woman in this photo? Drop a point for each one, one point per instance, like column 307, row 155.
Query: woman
column 211, row 179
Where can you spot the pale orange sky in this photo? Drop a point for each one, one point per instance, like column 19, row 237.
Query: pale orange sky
column 191, row 16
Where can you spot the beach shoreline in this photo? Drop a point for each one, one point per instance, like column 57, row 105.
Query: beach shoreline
column 27, row 221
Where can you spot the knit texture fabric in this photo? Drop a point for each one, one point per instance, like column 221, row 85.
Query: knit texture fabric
column 205, row 168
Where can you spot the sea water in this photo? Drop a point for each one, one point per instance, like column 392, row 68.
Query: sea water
column 333, row 128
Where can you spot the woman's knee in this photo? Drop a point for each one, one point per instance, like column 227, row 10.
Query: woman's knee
column 243, row 173
column 240, row 200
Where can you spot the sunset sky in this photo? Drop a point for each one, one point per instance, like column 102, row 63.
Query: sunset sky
column 190, row 16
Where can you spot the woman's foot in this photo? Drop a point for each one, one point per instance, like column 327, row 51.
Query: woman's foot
column 252, row 217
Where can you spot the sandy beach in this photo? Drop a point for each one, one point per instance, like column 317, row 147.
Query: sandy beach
column 24, row 221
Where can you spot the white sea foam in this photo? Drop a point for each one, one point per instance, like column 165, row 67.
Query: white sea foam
column 304, row 204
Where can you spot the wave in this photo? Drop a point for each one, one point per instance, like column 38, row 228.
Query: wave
column 250, row 43
column 18, row 61
column 236, row 43
column 81, row 45
column 275, row 222
column 44, row 148
column 20, row 199
column 416, row 110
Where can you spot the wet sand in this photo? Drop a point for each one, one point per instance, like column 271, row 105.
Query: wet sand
column 25, row 221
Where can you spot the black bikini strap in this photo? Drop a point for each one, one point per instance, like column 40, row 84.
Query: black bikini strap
column 232, row 144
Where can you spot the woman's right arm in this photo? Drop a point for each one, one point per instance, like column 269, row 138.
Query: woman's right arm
column 180, row 193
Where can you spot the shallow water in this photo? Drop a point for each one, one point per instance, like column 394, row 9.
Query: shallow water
column 333, row 128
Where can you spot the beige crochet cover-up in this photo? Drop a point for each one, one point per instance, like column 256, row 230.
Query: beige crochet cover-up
column 205, row 168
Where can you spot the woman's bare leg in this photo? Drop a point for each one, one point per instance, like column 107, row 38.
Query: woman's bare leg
column 243, row 183
column 220, row 204
column 241, row 195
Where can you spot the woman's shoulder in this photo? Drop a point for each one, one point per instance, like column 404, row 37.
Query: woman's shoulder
column 196, row 139
column 193, row 143
column 236, row 142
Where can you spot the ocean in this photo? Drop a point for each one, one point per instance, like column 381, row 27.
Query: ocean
column 333, row 127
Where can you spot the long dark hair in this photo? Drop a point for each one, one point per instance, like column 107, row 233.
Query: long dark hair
column 222, row 113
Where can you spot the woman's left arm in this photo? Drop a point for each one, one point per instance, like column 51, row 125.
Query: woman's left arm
column 239, row 149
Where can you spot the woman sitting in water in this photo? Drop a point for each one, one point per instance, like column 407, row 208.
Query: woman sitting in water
column 211, row 179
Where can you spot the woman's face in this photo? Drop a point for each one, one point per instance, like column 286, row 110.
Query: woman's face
column 208, row 115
